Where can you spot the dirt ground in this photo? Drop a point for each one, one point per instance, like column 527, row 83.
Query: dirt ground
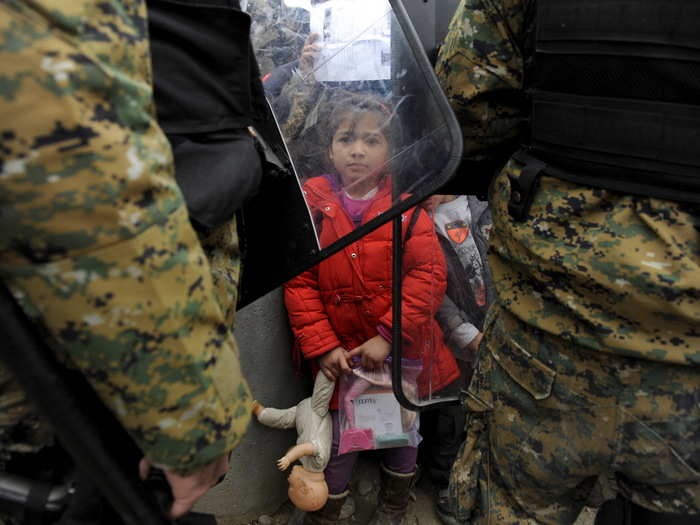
column 364, row 490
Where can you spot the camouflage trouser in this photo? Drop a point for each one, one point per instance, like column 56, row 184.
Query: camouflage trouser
column 548, row 417
column 22, row 430
column 221, row 244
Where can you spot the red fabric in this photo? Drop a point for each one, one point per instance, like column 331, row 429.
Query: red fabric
column 342, row 300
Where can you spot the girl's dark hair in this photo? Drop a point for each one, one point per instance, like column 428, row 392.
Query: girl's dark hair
column 352, row 106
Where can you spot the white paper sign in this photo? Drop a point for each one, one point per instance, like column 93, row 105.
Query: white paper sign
column 355, row 39
column 379, row 411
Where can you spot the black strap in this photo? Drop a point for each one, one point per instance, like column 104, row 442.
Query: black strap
column 639, row 135
column 411, row 224
column 522, row 188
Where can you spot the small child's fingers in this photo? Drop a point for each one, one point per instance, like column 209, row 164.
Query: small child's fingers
column 355, row 352
column 328, row 373
column 344, row 366
column 311, row 38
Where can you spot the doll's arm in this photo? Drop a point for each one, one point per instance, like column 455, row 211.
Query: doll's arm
column 295, row 453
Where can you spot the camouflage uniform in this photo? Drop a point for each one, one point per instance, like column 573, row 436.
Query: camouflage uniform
column 591, row 357
column 278, row 32
column 95, row 240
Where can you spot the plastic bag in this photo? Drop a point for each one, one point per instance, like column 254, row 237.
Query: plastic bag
column 369, row 414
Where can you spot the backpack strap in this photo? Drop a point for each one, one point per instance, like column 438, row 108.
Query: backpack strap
column 411, row 224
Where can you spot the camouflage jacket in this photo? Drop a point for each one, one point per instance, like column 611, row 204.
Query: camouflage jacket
column 95, row 240
column 278, row 32
column 611, row 272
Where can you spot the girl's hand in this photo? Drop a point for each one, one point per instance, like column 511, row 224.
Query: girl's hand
column 373, row 351
column 335, row 363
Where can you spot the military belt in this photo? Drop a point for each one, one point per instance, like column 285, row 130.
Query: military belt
column 646, row 148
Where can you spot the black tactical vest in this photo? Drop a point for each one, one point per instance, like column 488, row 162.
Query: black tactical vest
column 207, row 90
column 615, row 94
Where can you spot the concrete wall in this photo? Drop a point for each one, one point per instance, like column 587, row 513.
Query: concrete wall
column 254, row 486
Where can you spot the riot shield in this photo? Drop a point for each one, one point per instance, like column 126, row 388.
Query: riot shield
column 356, row 112
column 455, row 295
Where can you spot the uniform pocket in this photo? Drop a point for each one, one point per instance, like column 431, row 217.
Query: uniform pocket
column 478, row 397
column 519, row 363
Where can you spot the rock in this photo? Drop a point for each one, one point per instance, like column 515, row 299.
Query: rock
column 265, row 520
column 348, row 509
column 364, row 487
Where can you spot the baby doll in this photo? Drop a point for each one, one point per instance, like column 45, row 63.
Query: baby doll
column 313, row 448
column 307, row 490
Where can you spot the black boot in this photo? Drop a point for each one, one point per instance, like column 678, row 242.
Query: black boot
column 622, row 511
column 394, row 496
column 330, row 512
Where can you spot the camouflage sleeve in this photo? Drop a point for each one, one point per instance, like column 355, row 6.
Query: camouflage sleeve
column 480, row 68
column 302, row 95
column 94, row 236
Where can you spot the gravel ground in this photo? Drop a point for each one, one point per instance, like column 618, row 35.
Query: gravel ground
column 364, row 490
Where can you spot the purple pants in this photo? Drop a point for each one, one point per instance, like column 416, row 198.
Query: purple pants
column 339, row 470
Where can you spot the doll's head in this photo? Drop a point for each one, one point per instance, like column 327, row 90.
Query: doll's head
column 307, row 490
column 359, row 146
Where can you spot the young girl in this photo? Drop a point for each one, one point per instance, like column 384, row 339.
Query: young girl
column 341, row 308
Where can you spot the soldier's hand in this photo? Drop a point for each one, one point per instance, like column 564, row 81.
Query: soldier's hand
column 188, row 489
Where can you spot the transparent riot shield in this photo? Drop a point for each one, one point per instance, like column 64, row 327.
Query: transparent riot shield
column 454, row 290
column 368, row 136
column 358, row 113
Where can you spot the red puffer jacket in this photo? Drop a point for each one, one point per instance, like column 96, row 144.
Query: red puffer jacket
column 343, row 300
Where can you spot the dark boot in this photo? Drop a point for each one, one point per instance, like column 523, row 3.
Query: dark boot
column 330, row 512
column 394, row 496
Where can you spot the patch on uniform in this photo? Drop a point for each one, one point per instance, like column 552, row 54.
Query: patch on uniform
column 458, row 231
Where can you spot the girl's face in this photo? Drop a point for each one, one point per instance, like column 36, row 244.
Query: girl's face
column 359, row 152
